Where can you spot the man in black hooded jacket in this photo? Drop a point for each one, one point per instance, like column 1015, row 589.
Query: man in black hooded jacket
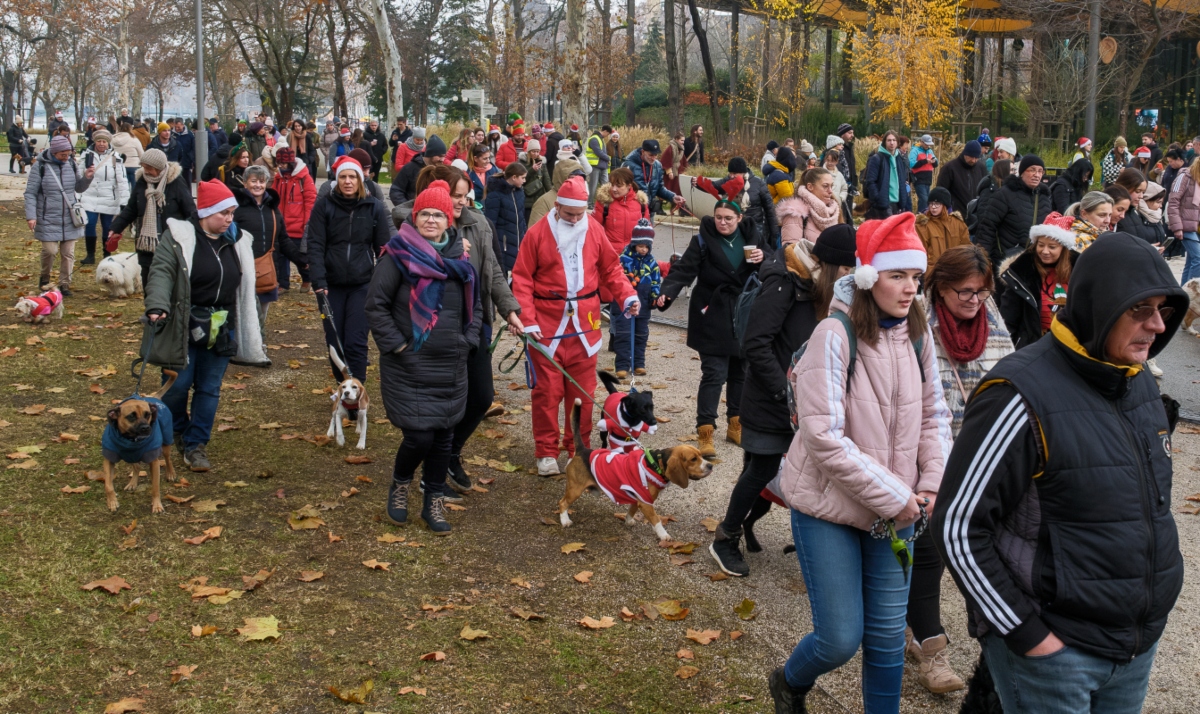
column 1054, row 514
column 1021, row 202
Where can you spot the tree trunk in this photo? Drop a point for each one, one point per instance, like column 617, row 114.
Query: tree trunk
column 733, row 67
column 391, row 61
column 630, row 49
column 797, row 69
column 8, row 86
column 339, row 69
column 574, row 61
column 674, row 110
column 828, row 68
column 847, row 72
column 709, row 74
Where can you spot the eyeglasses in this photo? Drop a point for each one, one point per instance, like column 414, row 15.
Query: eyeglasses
column 966, row 295
column 431, row 216
column 1141, row 313
column 725, row 219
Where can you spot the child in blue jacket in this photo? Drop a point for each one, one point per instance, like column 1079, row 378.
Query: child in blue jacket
column 642, row 270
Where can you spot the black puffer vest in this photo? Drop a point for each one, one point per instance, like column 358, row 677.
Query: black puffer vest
column 1106, row 567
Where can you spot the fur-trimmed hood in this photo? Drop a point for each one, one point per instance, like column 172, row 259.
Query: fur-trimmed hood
column 791, row 207
column 604, row 195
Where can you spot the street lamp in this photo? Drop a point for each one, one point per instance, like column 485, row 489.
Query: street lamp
column 201, row 121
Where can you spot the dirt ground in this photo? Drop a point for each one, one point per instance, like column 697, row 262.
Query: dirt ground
column 76, row 650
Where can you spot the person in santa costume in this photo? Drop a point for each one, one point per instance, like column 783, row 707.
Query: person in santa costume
column 564, row 260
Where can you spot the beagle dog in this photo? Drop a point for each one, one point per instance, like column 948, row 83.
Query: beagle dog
column 634, row 478
column 139, row 430
column 349, row 402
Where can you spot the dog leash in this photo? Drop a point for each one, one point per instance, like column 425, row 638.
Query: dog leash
column 141, row 359
column 327, row 314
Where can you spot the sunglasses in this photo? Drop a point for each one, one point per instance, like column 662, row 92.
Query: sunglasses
column 1142, row 313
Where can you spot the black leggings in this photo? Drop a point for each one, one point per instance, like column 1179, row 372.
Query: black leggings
column 757, row 472
column 925, row 593
column 480, row 393
column 431, row 446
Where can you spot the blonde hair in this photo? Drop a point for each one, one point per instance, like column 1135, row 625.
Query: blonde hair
column 1089, row 203
column 362, row 188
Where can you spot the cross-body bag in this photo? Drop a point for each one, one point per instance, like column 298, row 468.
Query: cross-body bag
column 78, row 216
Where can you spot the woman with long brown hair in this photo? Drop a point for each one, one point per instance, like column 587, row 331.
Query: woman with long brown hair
column 1036, row 280
column 461, row 148
column 231, row 173
column 674, row 162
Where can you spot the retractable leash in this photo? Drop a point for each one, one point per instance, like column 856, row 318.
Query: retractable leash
column 327, row 314
column 141, row 359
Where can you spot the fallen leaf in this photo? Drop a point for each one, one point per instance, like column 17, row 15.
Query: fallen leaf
column 5, row 424
column 687, row 671
column 1193, row 497
column 272, row 425
column 487, row 481
column 649, row 611
column 688, row 437
column 525, row 614
column 390, row 538
column 129, row 528
column 260, row 628
column 419, row 691
column 70, row 462
column 507, row 422
column 236, row 484
column 355, row 696
column 433, row 657
column 198, row 631
column 210, row 534
column 305, row 519
column 703, row 637
column 176, row 499
column 128, row 704
column 207, row 505
column 584, row 576
column 62, row 411
column 376, row 564
column 251, row 582
column 182, row 672
column 573, row 547
column 64, row 489
column 710, row 524
column 9, row 352
column 33, row 410
column 681, row 560
column 628, row 615
column 33, row 464
column 227, row 427
column 671, row 609
column 358, row 459
column 56, row 390
column 112, row 585
column 332, row 538
column 363, row 479
column 353, row 491
column 745, row 609
column 520, row 583
column 493, row 433
column 468, row 634
column 602, row 624
column 736, row 634
column 96, row 389
column 307, row 576
column 685, row 654
column 226, row 598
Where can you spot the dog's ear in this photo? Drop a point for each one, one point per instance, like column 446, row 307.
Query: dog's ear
column 153, row 411
column 113, row 415
column 673, row 467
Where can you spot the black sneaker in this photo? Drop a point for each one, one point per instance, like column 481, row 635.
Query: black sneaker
column 450, row 496
column 458, row 478
column 196, row 459
column 788, row 699
column 725, row 551
column 66, row 292
column 397, row 503
column 434, row 514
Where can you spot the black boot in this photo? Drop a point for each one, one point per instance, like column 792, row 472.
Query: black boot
column 434, row 513
column 397, row 503
column 725, row 551
column 458, row 478
column 760, row 508
column 89, row 242
column 788, row 699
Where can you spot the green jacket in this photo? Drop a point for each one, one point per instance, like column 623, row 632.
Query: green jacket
column 536, row 182
column 169, row 288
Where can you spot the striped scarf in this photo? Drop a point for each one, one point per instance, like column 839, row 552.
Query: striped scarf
column 427, row 271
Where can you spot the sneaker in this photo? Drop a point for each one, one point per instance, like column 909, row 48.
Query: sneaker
column 397, row 503
column 1154, row 368
column 434, row 514
column 450, row 496
column 725, row 551
column 788, row 699
column 497, row 409
column 458, row 478
column 66, row 292
column 935, row 673
column 548, row 466
column 196, row 459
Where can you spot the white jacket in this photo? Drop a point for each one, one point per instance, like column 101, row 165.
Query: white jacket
column 130, row 147
column 109, row 189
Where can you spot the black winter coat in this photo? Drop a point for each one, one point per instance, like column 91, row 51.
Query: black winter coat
column 179, row 204
column 17, row 137
column 505, row 210
column 876, row 185
column 381, row 144
column 782, row 319
column 173, row 149
column 344, row 236
column 1004, row 226
column 1021, row 303
column 404, row 186
column 1135, row 224
column 425, row 388
column 962, row 181
column 1070, row 186
column 265, row 222
column 718, row 285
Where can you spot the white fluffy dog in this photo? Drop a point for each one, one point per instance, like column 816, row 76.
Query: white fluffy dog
column 1192, row 287
column 121, row 274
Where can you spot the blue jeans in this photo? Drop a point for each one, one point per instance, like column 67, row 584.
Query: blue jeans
column 89, row 232
column 1069, row 681
column 1191, row 246
column 131, row 174
column 202, row 376
column 859, row 595
column 619, row 327
column 922, row 191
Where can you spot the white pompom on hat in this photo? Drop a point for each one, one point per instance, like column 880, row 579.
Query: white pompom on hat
column 888, row 244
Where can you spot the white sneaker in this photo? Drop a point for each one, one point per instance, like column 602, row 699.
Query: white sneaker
column 548, row 466
column 1154, row 368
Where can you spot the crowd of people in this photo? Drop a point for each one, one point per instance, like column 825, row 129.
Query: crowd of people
column 922, row 389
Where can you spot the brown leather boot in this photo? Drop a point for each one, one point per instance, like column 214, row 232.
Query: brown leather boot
column 934, row 673
column 733, row 432
column 707, row 449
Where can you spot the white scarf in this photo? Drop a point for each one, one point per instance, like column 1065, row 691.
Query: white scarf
column 570, row 239
column 1149, row 215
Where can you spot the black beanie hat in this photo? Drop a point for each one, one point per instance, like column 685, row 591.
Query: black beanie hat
column 786, row 158
column 650, row 146
column 941, row 195
column 772, row 145
column 737, row 165
column 843, row 128
column 1030, row 160
column 434, row 146
column 836, row 245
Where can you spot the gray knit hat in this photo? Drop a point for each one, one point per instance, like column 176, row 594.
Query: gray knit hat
column 155, row 159
column 60, row 143
column 101, row 135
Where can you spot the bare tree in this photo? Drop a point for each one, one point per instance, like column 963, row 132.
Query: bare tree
column 276, row 41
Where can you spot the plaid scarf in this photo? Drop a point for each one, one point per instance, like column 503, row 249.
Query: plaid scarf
column 427, row 271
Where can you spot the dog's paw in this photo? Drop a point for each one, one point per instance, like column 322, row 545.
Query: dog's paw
column 111, row 502
column 630, row 521
column 661, row 532
column 565, row 519
column 362, row 444
column 156, row 506
column 131, row 486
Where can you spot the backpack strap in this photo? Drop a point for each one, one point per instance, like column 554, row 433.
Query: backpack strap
column 853, row 341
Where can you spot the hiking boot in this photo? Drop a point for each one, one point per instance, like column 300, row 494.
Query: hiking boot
column 90, row 259
column 457, row 477
column 306, row 287
column 788, row 699
column 733, row 432
column 725, row 551
column 397, row 503
column 912, row 648
column 497, row 409
column 934, row 672
column 707, row 450
column 450, row 496
column 1154, row 368
column 622, row 374
column 196, row 459
column 640, row 371
column 434, row 514
column 65, row 291
column 548, row 466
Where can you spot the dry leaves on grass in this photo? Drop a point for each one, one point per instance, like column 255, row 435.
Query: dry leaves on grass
column 685, row 654
column 735, row 635
column 710, row 524
column 352, row 492
column 433, row 657
column 305, row 519
column 203, row 630
column 29, row 465
column 61, row 411
column 745, row 609
column 525, row 614
column 703, row 637
column 33, row 410
column 210, row 534
column 178, row 499
column 182, row 672
column 454, row 507
column 358, row 459
column 260, row 628
column 687, row 671
column 123, row 706
column 307, row 576
column 207, row 505
column 129, row 528
column 584, row 576
column 602, row 624
column 376, row 564
column 112, row 585
column 669, row 609
column 469, row 634
column 419, row 691
column 251, row 582
column 355, row 696
column 390, row 538
column 573, row 547
column 332, row 538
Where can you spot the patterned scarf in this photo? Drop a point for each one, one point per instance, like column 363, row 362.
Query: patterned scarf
column 427, row 271
column 156, row 198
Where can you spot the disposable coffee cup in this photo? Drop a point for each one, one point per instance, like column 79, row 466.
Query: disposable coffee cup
column 748, row 251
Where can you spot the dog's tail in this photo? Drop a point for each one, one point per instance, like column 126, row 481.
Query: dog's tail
column 171, row 375
column 611, row 383
column 580, row 449
column 337, row 360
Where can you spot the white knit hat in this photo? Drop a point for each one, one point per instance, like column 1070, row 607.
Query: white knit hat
column 1006, row 144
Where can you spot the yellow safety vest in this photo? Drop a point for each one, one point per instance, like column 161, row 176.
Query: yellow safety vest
column 592, row 158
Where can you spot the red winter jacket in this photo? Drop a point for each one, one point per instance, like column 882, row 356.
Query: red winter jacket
column 619, row 216
column 401, row 156
column 507, row 153
column 297, row 194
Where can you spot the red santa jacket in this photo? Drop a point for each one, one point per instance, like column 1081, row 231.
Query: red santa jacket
column 619, row 432
column 297, row 194
column 625, row 477
column 539, row 282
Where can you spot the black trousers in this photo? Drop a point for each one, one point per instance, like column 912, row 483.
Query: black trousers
column 348, row 308
column 145, row 258
column 480, row 391
column 717, row 372
column 428, row 446
column 757, row 472
column 925, row 592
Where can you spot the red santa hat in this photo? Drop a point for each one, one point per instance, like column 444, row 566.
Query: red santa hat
column 1084, row 142
column 548, row 126
column 346, row 163
column 573, row 193
column 574, row 127
column 345, row 131
column 889, row 244
column 1143, row 152
column 213, row 197
column 1056, row 226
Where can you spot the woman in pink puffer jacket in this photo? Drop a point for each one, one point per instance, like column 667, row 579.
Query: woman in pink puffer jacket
column 811, row 210
column 874, row 454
